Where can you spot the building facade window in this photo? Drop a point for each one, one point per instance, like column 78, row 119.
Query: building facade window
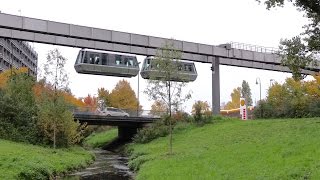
column 16, row 54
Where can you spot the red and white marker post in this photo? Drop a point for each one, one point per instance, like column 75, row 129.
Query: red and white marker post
column 243, row 109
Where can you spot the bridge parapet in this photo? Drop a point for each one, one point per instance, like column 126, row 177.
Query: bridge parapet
column 117, row 112
column 256, row 48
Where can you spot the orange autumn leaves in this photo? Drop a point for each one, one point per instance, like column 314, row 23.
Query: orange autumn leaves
column 39, row 87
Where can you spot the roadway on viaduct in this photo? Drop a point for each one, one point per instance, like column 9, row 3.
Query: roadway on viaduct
column 92, row 119
column 127, row 126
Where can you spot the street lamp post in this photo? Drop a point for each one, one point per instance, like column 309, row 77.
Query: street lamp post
column 260, row 94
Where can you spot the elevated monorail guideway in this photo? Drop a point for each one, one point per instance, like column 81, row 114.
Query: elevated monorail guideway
column 49, row 32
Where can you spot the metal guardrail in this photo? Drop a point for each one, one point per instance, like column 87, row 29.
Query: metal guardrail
column 250, row 47
column 126, row 112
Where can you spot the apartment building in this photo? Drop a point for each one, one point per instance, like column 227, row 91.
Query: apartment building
column 14, row 53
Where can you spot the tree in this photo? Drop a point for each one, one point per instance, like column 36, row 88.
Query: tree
column 203, row 106
column 235, row 99
column 246, row 92
column 7, row 74
column 18, row 111
column 90, row 102
column 303, row 50
column 104, row 95
column 292, row 99
column 55, row 74
column 160, row 85
column 55, row 118
column 200, row 108
column 158, row 108
column 297, row 56
column 123, row 96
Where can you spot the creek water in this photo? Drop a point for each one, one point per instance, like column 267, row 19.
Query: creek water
column 108, row 165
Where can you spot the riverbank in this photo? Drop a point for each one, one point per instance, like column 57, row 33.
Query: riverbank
column 234, row 149
column 109, row 164
column 25, row 161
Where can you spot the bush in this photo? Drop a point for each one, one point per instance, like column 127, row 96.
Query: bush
column 18, row 110
column 155, row 130
column 56, row 122
column 264, row 110
column 314, row 108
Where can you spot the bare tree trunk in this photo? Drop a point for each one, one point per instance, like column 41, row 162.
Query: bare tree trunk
column 54, row 104
column 170, row 119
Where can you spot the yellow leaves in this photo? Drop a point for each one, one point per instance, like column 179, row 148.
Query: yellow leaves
column 72, row 100
column 158, row 108
column 122, row 96
column 276, row 93
column 203, row 106
column 5, row 75
column 235, row 99
column 41, row 87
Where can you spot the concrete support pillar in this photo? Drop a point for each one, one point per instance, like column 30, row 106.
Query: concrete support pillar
column 215, row 86
column 126, row 133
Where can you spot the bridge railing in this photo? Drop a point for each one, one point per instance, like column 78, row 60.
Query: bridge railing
column 118, row 112
column 255, row 48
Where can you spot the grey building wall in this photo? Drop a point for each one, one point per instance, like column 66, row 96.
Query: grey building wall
column 14, row 53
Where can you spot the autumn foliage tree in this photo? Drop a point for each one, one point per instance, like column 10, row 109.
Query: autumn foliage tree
column 104, row 95
column 293, row 99
column 235, row 99
column 201, row 110
column 158, row 108
column 54, row 117
column 90, row 102
column 201, row 106
column 123, row 96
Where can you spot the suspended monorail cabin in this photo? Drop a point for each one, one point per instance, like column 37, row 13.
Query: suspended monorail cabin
column 186, row 71
column 107, row 64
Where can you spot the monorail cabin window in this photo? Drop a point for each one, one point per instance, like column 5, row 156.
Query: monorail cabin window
column 118, row 59
column 104, row 59
column 188, row 67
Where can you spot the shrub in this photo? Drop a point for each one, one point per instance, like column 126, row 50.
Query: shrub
column 201, row 114
column 56, row 122
column 18, row 109
column 155, row 130
column 264, row 110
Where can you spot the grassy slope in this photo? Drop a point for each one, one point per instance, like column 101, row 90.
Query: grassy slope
column 100, row 139
column 16, row 158
column 261, row 149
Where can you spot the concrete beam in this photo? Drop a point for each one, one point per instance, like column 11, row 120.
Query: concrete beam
column 44, row 31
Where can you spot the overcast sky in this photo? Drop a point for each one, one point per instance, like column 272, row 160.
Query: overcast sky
column 202, row 21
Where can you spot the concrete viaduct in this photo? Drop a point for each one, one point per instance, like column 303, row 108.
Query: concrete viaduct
column 127, row 126
column 57, row 33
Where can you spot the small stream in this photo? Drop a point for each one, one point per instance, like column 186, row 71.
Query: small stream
column 108, row 165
